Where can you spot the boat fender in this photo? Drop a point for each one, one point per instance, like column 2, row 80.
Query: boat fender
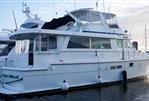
column 124, row 74
column 99, row 79
column 64, row 85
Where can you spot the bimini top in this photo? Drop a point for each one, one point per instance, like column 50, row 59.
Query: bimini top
column 55, row 23
column 89, row 15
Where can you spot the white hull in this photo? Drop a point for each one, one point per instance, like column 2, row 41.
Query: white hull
column 75, row 75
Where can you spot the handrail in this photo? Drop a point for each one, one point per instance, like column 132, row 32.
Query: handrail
column 12, row 81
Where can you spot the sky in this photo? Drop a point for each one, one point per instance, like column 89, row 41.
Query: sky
column 131, row 14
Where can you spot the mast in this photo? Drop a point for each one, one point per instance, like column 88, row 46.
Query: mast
column 145, row 35
column 97, row 5
column 103, row 5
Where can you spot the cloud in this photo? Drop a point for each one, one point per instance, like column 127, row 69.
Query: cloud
column 135, row 22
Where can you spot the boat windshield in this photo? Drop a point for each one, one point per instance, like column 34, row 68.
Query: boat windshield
column 88, row 15
column 6, row 47
column 29, row 25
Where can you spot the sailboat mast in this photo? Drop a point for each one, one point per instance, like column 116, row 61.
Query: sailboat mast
column 103, row 6
column 97, row 5
column 145, row 39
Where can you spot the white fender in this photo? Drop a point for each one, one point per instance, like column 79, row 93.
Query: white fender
column 64, row 85
column 99, row 79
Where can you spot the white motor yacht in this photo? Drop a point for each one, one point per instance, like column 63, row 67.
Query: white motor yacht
column 82, row 48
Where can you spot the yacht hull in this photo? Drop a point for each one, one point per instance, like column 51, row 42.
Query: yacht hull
column 68, row 76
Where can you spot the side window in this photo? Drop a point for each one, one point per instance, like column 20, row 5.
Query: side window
column 38, row 43
column 120, row 43
column 3, row 49
column 46, row 43
column 52, row 41
column 100, row 43
column 129, row 44
column 78, row 42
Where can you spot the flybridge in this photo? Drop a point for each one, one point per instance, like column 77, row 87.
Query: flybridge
column 85, row 20
column 82, row 20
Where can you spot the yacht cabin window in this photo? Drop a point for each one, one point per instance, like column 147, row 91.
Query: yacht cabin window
column 52, row 42
column 2, row 48
column 46, row 43
column 85, row 42
column 22, row 46
column 127, row 43
column 119, row 43
column 100, row 43
column 38, row 43
column 78, row 42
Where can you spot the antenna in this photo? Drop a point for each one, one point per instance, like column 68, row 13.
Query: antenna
column 145, row 35
column 26, row 10
column 15, row 20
